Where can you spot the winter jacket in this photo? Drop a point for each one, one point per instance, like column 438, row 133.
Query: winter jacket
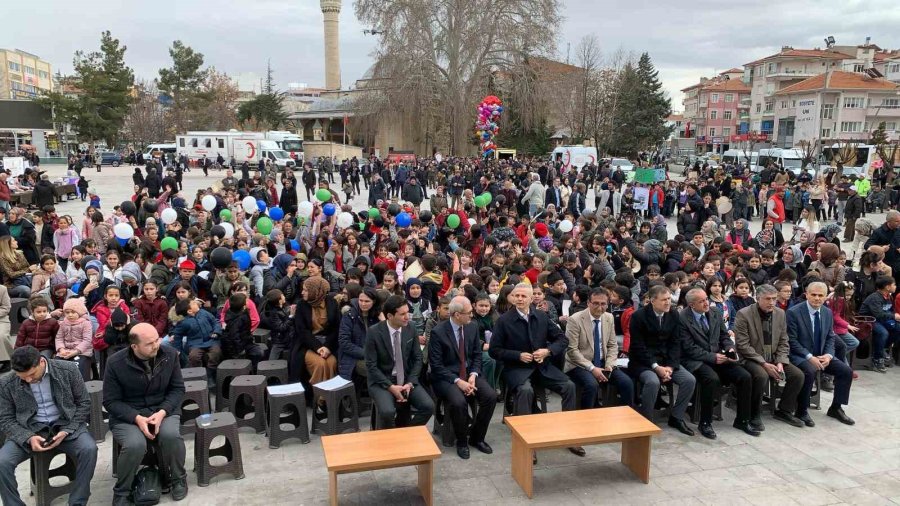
column 40, row 334
column 236, row 333
column 199, row 330
column 352, row 339
column 221, row 286
column 877, row 306
column 161, row 275
column 129, row 390
column 155, row 312
column 280, row 323
column 75, row 335
column 103, row 314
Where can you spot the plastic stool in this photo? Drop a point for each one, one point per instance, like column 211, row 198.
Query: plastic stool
column 97, row 423
column 151, row 458
column 222, row 424
column 261, row 336
column 225, row 372
column 443, row 424
column 248, row 397
column 287, row 405
column 18, row 313
column 276, row 370
column 196, row 393
column 193, row 373
column 335, row 422
column 44, row 492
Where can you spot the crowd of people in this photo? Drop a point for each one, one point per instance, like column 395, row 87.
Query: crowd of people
column 508, row 283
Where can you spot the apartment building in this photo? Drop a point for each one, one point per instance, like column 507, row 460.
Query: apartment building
column 717, row 109
column 23, row 76
column 836, row 105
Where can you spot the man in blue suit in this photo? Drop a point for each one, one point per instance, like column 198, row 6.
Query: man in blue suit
column 811, row 335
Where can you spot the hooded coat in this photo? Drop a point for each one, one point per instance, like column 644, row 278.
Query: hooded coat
column 352, row 338
column 827, row 266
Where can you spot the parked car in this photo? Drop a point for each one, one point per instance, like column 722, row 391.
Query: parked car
column 110, row 158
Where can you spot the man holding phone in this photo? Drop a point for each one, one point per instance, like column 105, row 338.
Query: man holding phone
column 44, row 406
column 142, row 392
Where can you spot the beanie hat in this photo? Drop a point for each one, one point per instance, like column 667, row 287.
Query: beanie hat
column 118, row 317
column 541, row 230
column 77, row 305
column 188, row 264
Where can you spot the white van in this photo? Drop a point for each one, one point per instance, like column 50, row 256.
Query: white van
column 739, row 156
column 574, row 156
column 790, row 159
column 161, row 150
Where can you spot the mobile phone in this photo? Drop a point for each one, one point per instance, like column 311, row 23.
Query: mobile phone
column 731, row 354
column 404, row 394
column 47, row 442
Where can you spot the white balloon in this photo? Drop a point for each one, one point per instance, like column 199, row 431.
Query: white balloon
column 249, row 204
column 229, row 229
column 472, row 221
column 123, row 231
column 305, row 209
column 345, row 220
column 208, row 202
column 566, row 226
column 169, row 216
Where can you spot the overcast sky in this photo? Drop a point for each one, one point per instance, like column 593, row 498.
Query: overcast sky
column 685, row 40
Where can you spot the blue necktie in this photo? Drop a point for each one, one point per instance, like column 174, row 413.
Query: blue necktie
column 598, row 351
column 817, row 333
column 704, row 323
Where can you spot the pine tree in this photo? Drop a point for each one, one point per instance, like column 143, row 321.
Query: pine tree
column 266, row 110
column 641, row 118
column 182, row 82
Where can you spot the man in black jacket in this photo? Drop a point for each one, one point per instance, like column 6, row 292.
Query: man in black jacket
column 852, row 211
column 142, row 392
column 43, row 192
column 655, row 356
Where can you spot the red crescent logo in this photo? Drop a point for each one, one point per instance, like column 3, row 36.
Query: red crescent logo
column 252, row 149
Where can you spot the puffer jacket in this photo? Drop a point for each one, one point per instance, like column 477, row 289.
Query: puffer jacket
column 103, row 314
column 198, row 330
column 75, row 336
column 155, row 312
column 278, row 320
column 41, row 335
column 352, row 339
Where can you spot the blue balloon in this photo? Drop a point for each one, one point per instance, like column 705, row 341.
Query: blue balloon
column 242, row 258
column 76, row 287
column 261, row 205
column 329, row 209
column 276, row 213
column 404, row 220
column 122, row 242
column 295, row 246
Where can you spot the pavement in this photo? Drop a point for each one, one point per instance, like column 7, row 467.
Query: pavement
column 829, row 464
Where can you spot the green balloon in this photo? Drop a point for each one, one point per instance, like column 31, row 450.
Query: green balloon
column 374, row 213
column 323, row 195
column 487, row 198
column 264, row 225
column 168, row 243
column 479, row 201
column 362, row 226
column 225, row 214
column 453, row 221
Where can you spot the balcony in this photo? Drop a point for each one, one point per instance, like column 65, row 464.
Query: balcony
column 744, row 104
column 782, row 75
column 884, row 111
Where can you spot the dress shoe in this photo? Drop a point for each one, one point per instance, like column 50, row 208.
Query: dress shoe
column 482, row 447
column 747, row 427
column 837, row 413
column 806, row 419
column 682, row 427
column 828, row 383
column 179, row 489
column 787, row 418
column 757, row 424
column 463, row 452
column 577, row 450
column 707, row 431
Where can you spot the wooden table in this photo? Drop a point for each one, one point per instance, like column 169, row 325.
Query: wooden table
column 381, row 449
column 578, row 428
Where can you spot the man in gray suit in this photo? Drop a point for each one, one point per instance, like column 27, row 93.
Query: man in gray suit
column 44, row 406
column 394, row 363
column 708, row 353
column 760, row 334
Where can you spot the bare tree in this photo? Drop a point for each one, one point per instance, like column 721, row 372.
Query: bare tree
column 145, row 122
column 809, row 150
column 219, row 102
column 437, row 56
column 844, row 153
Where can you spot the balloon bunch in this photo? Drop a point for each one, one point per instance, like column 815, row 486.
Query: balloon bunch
column 486, row 127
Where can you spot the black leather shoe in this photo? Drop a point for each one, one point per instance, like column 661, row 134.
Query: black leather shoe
column 806, row 419
column 463, row 452
column 682, row 427
column 577, row 450
column 757, row 424
column 179, row 489
column 482, row 447
column 837, row 413
column 746, row 427
column 707, row 431
column 787, row 418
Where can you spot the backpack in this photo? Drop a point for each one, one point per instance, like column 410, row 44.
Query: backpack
column 147, row 489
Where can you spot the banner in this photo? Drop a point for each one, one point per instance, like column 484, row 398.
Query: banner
column 649, row 176
column 641, row 199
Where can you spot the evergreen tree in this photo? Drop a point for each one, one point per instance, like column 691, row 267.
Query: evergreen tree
column 266, row 110
column 182, row 82
column 640, row 120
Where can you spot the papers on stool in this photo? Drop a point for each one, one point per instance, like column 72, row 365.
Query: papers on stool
column 622, row 362
column 293, row 388
column 334, row 383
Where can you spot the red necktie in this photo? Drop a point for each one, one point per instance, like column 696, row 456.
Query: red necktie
column 461, row 342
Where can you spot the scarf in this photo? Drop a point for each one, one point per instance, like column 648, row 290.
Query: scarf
column 316, row 290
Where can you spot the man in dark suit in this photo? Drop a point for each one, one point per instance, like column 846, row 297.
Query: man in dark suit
column 394, row 384
column 553, row 195
column 811, row 331
column 454, row 353
column 761, row 340
column 655, row 356
column 527, row 342
column 705, row 350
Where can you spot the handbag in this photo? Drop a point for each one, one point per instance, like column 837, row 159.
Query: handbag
column 147, row 488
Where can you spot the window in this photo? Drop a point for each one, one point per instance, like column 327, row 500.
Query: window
column 772, row 68
column 894, row 67
column 784, row 104
column 890, row 103
column 712, row 132
column 770, row 106
column 729, row 97
column 181, row 142
column 207, row 142
column 758, row 107
column 715, row 98
column 890, row 125
column 726, row 115
column 854, row 102
column 14, row 66
column 826, row 133
column 828, row 111
column 29, row 70
column 726, row 132
column 221, row 143
column 194, row 142
column 858, row 67
column 851, row 127
column 43, row 74
column 713, row 114
column 793, row 103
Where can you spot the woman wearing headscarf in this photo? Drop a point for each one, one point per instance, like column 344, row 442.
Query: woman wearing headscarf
column 658, row 229
column 827, row 265
column 419, row 306
column 791, row 258
column 317, row 321
column 740, row 234
column 283, row 276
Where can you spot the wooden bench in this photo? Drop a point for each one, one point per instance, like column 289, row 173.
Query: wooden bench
column 579, row 428
column 382, row 449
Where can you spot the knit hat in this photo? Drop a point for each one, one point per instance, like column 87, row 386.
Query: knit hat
column 77, row 305
column 93, row 265
column 188, row 265
column 541, row 230
column 118, row 317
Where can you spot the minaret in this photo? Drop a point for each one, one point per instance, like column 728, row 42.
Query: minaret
column 331, row 9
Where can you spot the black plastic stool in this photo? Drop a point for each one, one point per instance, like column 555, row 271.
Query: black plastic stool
column 287, row 405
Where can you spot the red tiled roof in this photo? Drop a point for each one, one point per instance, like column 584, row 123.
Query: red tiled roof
column 728, row 85
column 804, row 53
column 734, row 70
column 840, row 80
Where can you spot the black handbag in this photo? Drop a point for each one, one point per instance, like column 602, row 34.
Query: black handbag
column 147, row 488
